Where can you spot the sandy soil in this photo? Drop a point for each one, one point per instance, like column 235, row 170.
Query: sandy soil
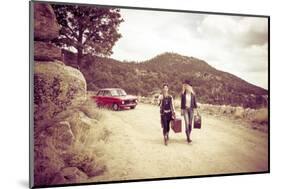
column 135, row 148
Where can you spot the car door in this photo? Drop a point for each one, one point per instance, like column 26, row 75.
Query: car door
column 99, row 98
column 107, row 98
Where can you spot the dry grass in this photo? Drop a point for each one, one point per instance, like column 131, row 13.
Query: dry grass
column 91, row 136
column 89, row 108
column 85, row 158
column 85, row 152
column 260, row 116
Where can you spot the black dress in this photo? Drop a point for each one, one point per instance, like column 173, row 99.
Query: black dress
column 166, row 113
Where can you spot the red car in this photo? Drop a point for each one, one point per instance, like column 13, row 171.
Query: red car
column 115, row 98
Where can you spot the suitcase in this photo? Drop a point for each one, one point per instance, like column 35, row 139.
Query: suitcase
column 176, row 125
column 197, row 121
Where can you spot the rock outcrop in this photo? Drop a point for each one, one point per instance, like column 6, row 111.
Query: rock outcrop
column 59, row 90
column 61, row 134
column 46, row 27
column 46, row 51
column 56, row 87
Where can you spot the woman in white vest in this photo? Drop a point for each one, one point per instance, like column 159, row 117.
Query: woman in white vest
column 188, row 104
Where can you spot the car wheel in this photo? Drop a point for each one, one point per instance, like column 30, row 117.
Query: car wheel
column 115, row 107
column 133, row 107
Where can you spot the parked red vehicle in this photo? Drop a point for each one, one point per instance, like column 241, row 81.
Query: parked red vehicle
column 115, row 98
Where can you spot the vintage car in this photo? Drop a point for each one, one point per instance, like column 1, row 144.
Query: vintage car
column 115, row 98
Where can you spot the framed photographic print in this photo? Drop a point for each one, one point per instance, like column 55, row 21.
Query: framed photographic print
column 123, row 94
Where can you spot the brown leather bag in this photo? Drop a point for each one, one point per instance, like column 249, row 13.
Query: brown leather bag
column 176, row 125
column 197, row 121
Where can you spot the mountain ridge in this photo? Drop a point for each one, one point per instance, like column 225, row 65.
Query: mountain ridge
column 146, row 78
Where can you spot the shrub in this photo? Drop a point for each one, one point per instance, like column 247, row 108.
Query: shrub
column 260, row 116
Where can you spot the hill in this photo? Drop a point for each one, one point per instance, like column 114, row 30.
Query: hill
column 145, row 78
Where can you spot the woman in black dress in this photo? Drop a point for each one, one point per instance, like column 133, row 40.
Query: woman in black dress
column 167, row 111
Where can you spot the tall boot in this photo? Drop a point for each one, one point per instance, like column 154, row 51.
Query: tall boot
column 165, row 140
column 188, row 137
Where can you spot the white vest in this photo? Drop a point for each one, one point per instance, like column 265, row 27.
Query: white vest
column 188, row 100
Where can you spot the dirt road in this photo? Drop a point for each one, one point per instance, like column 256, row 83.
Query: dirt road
column 135, row 147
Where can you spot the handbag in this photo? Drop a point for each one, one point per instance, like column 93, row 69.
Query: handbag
column 197, row 121
column 176, row 125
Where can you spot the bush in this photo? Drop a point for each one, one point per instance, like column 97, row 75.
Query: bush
column 260, row 116
column 89, row 108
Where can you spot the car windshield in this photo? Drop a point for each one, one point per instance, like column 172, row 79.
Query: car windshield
column 118, row 92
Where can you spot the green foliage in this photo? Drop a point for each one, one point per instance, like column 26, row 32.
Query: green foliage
column 211, row 86
column 88, row 29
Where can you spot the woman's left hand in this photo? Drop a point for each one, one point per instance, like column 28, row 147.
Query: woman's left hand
column 174, row 115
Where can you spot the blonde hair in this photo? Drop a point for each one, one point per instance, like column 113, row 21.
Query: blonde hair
column 182, row 89
column 190, row 88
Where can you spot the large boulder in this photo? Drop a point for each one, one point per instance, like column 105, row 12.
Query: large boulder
column 60, row 94
column 80, row 125
column 61, row 134
column 46, row 51
column 46, row 27
column 56, row 87
column 47, row 158
column 55, row 148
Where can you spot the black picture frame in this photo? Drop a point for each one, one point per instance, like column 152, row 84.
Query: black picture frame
column 31, row 93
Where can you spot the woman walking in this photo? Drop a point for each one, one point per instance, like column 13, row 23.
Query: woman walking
column 188, row 104
column 167, row 111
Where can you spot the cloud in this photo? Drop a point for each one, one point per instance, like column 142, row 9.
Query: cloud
column 148, row 33
column 234, row 44
column 234, row 31
column 239, row 46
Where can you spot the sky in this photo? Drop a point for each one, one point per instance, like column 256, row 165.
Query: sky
column 235, row 44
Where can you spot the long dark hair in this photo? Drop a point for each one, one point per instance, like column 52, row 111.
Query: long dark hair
column 165, row 84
